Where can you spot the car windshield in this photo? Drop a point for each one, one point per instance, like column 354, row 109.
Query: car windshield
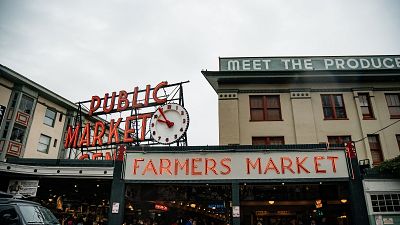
column 37, row 215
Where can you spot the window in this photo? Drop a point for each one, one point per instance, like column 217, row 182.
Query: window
column 388, row 202
column 268, row 140
column 365, row 104
column 267, row 107
column 26, row 104
column 338, row 139
column 393, row 102
column 375, row 147
column 333, row 107
column 49, row 117
column 44, row 143
column 17, row 134
column 398, row 140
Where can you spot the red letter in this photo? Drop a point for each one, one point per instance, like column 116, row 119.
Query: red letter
column 111, row 107
column 150, row 167
column 84, row 156
column 85, row 139
column 224, row 164
column 108, row 156
column 146, row 97
column 271, row 166
column 98, row 137
column 179, row 166
column 135, row 103
column 127, row 130
column 135, row 165
column 93, row 107
column 300, row 165
column 257, row 163
column 212, row 167
column 114, row 131
column 72, row 137
column 143, row 130
column 122, row 97
column 97, row 155
column 317, row 164
column 194, row 166
column 283, row 166
column 166, row 167
column 155, row 97
column 333, row 159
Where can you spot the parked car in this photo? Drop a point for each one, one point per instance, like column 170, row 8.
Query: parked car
column 21, row 212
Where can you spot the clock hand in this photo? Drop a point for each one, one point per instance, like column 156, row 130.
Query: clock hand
column 169, row 123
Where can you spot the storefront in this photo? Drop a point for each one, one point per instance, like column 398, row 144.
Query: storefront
column 70, row 188
column 238, row 184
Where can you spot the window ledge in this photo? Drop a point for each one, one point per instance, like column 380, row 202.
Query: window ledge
column 369, row 118
column 337, row 119
column 264, row 120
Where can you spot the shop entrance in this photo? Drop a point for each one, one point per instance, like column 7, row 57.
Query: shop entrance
column 177, row 203
column 292, row 204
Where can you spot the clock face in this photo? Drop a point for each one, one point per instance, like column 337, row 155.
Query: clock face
column 169, row 123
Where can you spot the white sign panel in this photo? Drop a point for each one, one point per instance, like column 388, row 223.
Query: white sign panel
column 235, row 165
column 235, row 211
column 115, row 207
column 23, row 187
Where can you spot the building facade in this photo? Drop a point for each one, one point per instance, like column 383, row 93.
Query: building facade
column 34, row 119
column 302, row 100
column 332, row 100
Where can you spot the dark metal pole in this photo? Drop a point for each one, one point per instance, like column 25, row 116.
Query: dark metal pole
column 117, row 198
column 357, row 197
column 235, row 203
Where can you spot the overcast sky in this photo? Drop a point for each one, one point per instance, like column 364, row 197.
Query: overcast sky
column 82, row 48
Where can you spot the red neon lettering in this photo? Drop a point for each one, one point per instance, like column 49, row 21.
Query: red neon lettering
column 250, row 164
column 136, row 165
column 289, row 166
column 122, row 98
column 97, row 155
column 333, row 159
column 212, row 166
column 85, row 139
column 108, row 156
column 165, row 167
column 146, row 97
column 72, row 137
column 144, row 118
column 96, row 136
column 94, row 104
column 114, row 131
column 135, row 103
column 179, row 166
column 105, row 102
column 225, row 162
column 128, row 130
column 84, row 156
column 150, row 168
column 317, row 164
column 300, row 166
column 195, row 162
column 155, row 96
column 271, row 166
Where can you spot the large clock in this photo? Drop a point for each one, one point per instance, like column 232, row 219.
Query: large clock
column 169, row 123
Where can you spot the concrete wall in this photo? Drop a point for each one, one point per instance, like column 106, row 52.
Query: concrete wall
column 303, row 119
column 38, row 128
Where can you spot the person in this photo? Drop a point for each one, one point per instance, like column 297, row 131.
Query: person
column 189, row 222
column 313, row 222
